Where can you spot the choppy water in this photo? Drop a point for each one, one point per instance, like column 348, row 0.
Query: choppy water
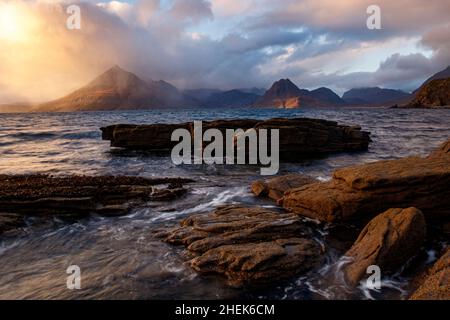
column 119, row 258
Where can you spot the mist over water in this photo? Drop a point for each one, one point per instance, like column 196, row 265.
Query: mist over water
column 120, row 257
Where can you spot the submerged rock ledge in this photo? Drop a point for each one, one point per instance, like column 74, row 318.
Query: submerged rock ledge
column 43, row 195
column 299, row 138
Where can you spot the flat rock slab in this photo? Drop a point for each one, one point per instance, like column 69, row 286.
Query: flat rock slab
column 248, row 245
column 299, row 138
column 366, row 190
column 436, row 285
column 40, row 195
column 388, row 241
column 276, row 187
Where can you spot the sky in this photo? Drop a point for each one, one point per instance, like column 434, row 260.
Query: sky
column 221, row 44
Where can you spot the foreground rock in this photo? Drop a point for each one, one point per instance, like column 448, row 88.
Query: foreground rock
column 247, row 245
column 276, row 187
column 40, row 195
column 365, row 190
column 299, row 138
column 388, row 241
column 436, row 285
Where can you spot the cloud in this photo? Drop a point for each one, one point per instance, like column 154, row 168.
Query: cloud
column 438, row 39
column 225, row 44
column 349, row 16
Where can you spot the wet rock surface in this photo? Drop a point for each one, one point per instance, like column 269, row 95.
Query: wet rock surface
column 248, row 245
column 276, row 187
column 388, row 241
column 40, row 195
column 299, row 138
column 436, row 284
column 366, row 190
column 10, row 222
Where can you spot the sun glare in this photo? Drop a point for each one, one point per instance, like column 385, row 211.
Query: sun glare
column 11, row 24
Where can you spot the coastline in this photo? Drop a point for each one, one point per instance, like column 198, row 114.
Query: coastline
column 308, row 226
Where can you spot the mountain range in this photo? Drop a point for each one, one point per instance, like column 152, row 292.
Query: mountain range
column 285, row 94
column 118, row 89
column 375, row 96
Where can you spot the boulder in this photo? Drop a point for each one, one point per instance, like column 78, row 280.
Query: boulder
column 365, row 190
column 299, row 138
column 248, row 245
column 436, row 285
column 388, row 241
column 276, row 187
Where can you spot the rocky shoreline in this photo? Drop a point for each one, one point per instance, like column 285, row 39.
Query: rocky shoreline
column 249, row 245
column 392, row 205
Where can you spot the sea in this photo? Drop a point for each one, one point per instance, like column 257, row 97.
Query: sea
column 120, row 258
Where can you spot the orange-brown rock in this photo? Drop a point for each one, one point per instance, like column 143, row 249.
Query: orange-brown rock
column 436, row 285
column 365, row 190
column 388, row 241
column 249, row 245
column 276, row 187
column 436, row 93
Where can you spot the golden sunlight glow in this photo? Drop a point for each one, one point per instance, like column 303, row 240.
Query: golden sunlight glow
column 12, row 24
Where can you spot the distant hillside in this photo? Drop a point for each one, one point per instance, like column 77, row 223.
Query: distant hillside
column 435, row 93
column 231, row 99
column 375, row 96
column 116, row 89
column 201, row 94
column 255, row 91
column 444, row 74
column 285, row 94
column 170, row 95
column 15, row 107
column 326, row 95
